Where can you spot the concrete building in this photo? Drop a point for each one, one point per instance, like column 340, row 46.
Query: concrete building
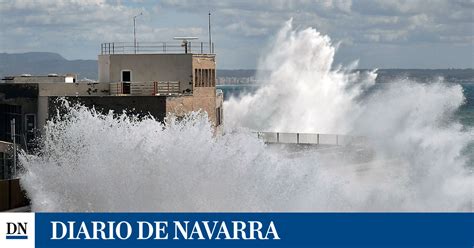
column 159, row 82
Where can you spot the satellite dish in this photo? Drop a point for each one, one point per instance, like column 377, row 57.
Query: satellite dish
column 185, row 40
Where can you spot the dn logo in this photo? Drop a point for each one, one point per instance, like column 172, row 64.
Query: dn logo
column 16, row 230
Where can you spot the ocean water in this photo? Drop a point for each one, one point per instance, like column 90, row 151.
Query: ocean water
column 466, row 112
column 419, row 135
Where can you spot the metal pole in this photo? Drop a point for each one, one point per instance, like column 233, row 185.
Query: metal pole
column 210, row 40
column 134, row 36
column 13, row 132
column 134, row 33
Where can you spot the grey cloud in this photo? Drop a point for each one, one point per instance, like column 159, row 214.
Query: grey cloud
column 241, row 27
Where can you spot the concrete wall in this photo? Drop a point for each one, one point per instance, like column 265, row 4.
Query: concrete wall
column 203, row 98
column 74, row 89
column 12, row 91
column 12, row 195
column 139, row 105
column 38, row 79
column 204, row 61
column 103, row 62
column 148, row 67
column 45, row 91
column 43, row 113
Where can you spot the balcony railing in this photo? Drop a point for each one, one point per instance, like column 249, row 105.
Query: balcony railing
column 156, row 47
column 145, row 88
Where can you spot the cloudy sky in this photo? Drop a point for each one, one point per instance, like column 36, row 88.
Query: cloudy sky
column 378, row 33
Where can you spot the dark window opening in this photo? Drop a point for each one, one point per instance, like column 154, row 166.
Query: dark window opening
column 126, row 76
column 196, row 78
column 218, row 116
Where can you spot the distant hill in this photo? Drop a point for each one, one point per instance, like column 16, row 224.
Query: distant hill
column 43, row 63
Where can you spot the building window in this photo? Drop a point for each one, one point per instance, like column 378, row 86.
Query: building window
column 196, row 78
column 126, row 76
column 204, row 77
column 218, row 116
column 213, row 78
column 200, row 77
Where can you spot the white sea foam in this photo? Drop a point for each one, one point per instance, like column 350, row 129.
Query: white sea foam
column 95, row 162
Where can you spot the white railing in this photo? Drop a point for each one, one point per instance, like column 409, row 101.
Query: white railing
column 145, row 88
column 310, row 138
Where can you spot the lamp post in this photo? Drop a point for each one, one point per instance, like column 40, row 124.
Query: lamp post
column 134, row 33
column 210, row 40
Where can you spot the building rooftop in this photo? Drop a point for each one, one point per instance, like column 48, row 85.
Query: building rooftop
column 50, row 78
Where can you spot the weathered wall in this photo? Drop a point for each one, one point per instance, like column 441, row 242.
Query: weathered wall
column 139, row 105
column 39, row 79
column 203, row 98
column 204, row 61
column 74, row 89
column 148, row 67
column 12, row 91
column 104, row 68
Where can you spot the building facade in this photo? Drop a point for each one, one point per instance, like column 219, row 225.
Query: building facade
column 157, row 83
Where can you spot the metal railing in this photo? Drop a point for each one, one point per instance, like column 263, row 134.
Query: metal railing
column 145, row 88
column 310, row 138
column 156, row 47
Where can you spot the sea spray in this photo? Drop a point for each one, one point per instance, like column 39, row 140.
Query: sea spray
column 95, row 162
column 107, row 162
column 411, row 125
column 301, row 92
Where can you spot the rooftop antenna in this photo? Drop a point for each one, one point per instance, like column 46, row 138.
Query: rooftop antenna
column 210, row 40
column 185, row 42
column 134, row 33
